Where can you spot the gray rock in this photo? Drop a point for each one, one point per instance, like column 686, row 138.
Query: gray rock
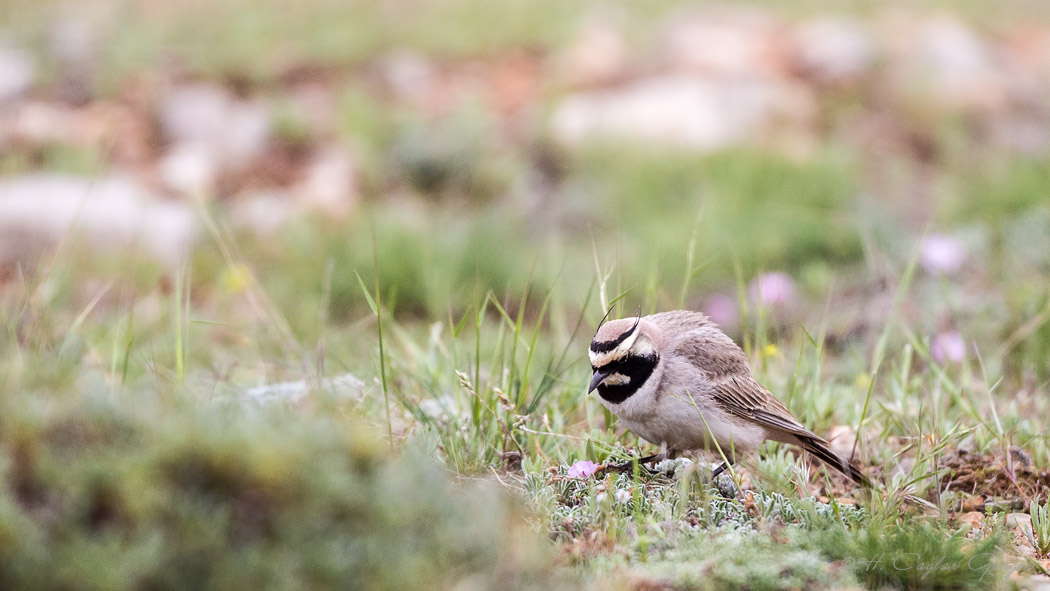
column 345, row 386
column 409, row 74
column 263, row 212
column 727, row 41
column 597, row 56
column 234, row 130
column 330, row 184
column 1018, row 520
column 38, row 122
column 74, row 39
column 189, row 168
column 942, row 59
column 17, row 73
column 834, row 50
column 110, row 213
column 701, row 113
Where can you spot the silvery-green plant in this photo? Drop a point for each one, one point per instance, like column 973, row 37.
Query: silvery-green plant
column 1039, row 531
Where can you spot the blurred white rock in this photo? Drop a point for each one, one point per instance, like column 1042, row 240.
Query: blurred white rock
column 1026, row 48
column 189, row 169
column 699, row 113
column 330, row 184
column 234, row 130
column 195, row 113
column 963, row 65
column 834, row 50
column 315, row 105
column 728, row 41
column 1028, row 133
column 444, row 408
column 598, row 56
column 942, row 59
column 110, row 213
column 74, row 38
column 409, row 74
column 263, row 212
column 41, row 122
column 346, row 386
column 36, row 122
column 17, row 72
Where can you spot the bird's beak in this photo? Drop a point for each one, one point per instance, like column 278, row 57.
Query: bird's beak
column 597, row 379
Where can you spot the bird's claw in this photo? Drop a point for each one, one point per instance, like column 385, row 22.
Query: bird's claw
column 622, row 468
column 628, row 466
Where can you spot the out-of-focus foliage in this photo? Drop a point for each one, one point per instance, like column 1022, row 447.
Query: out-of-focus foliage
column 139, row 492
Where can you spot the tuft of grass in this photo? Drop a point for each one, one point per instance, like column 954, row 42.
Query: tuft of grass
column 919, row 556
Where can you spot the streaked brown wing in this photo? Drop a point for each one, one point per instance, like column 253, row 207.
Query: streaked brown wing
column 745, row 398
column 725, row 365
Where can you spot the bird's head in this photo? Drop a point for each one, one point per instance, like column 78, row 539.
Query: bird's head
column 623, row 355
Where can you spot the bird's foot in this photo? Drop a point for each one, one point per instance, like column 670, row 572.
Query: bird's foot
column 725, row 486
column 723, row 482
column 719, row 479
column 628, row 466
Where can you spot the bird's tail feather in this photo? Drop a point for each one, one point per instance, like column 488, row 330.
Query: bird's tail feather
column 819, row 448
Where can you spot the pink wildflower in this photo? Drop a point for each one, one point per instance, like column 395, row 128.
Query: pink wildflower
column 582, row 469
column 942, row 254
column 723, row 311
column 772, row 289
column 948, row 347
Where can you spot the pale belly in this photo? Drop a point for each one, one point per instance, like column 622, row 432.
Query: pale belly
column 682, row 426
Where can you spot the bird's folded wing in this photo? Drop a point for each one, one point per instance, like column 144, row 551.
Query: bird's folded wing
column 744, row 397
column 736, row 391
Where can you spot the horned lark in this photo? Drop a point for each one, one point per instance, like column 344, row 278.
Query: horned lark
column 678, row 381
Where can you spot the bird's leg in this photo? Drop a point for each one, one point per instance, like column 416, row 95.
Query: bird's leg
column 720, row 469
column 629, row 465
column 727, row 488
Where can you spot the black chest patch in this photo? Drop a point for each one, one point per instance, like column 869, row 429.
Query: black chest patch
column 636, row 367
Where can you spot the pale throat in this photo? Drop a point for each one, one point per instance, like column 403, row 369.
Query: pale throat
column 616, row 379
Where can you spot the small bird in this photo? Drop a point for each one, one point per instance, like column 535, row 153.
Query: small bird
column 679, row 382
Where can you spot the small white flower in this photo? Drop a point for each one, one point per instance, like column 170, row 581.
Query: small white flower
column 622, row 495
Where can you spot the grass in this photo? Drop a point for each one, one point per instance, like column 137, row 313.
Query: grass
column 472, row 388
column 104, row 491
column 463, row 297
column 478, row 364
